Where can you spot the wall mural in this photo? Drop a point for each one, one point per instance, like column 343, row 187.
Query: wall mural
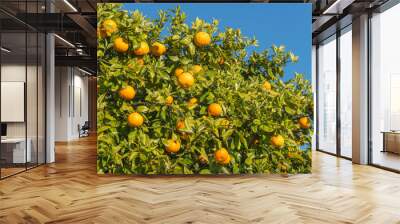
column 180, row 98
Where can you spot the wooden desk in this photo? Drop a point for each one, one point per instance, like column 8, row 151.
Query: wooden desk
column 391, row 141
column 13, row 150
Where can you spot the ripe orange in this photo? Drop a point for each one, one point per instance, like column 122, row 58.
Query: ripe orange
column 202, row 39
column 196, row 69
column 277, row 141
column 142, row 49
column 222, row 156
column 172, row 146
column 127, row 93
column 186, row 80
column 140, row 61
column 135, row 119
column 178, row 72
column 158, row 49
column 221, row 61
column 120, row 45
column 267, row 86
column 192, row 102
column 109, row 26
column 227, row 160
column 180, row 125
column 214, row 109
column 304, row 122
column 169, row 100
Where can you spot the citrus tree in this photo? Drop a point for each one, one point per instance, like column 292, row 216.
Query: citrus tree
column 179, row 98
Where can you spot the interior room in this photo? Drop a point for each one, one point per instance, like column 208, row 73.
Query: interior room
column 22, row 98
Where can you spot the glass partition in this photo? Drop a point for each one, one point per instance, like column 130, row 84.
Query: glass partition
column 327, row 95
column 32, row 97
column 41, row 97
column 14, row 145
column 346, row 92
column 22, row 77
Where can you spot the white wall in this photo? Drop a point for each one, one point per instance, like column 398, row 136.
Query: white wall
column 34, row 125
column 14, row 73
column 71, row 94
column 62, row 82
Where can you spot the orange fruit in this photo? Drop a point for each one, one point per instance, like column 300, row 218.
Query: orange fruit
column 214, row 109
column 227, row 160
column 221, row 61
column 202, row 39
column 142, row 49
column 192, row 102
column 172, row 146
column 169, row 100
column 127, row 93
column 304, row 122
column 277, row 141
column 196, row 69
column 109, row 27
column 178, row 72
column 135, row 119
column 140, row 61
column 222, row 156
column 186, row 80
column 180, row 125
column 267, row 86
column 120, row 45
column 158, row 49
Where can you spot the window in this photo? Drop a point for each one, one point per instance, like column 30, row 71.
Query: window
column 327, row 95
column 385, row 89
column 346, row 92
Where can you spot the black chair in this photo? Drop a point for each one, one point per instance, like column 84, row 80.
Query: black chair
column 84, row 130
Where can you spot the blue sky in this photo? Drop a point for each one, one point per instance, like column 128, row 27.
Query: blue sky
column 279, row 24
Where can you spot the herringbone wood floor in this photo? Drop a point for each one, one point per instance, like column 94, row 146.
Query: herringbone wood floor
column 69, row 191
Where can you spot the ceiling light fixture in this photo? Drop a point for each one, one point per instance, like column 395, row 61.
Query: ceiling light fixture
column 70, row 5
column 65, row 41
column 5, row 49
column 84, row 71
column 337, row 7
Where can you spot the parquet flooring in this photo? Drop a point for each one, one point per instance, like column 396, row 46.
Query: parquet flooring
column 70, row 191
